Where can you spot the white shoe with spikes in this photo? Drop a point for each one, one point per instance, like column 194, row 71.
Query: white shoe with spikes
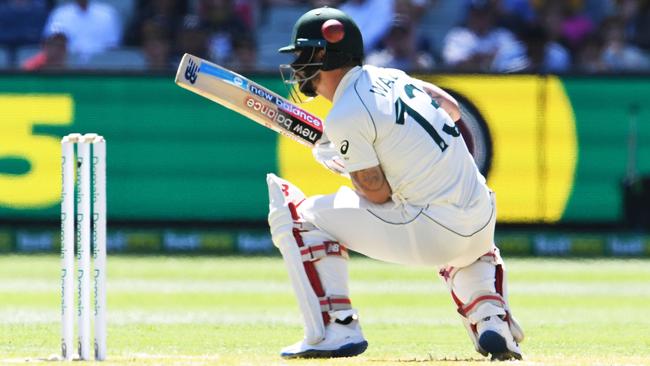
column 343, row 338
column 495, row 338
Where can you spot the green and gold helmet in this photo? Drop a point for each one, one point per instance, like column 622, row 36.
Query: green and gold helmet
column 308, row 34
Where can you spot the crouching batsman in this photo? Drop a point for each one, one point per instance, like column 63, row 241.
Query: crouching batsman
column 419, row 198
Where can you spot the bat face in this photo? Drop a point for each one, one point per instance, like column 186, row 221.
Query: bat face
column 248, row 98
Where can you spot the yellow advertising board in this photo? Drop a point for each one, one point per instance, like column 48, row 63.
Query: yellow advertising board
column 532, row 130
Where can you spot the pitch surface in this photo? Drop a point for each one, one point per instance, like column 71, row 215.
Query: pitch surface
column 240, row 311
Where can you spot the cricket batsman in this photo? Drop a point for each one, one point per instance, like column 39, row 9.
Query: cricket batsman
column 419, row 198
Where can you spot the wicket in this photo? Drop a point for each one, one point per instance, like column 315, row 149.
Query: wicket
column 83, row 220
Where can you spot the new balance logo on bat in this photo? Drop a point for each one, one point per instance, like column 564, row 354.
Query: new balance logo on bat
column 191, row 71
column 241, row 95
column 286, row 106
column 283, row 119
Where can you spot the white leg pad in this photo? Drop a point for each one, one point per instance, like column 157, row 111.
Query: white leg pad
column 281, row 224
column 330, row 259
column 307, row 300
column 317, row 264
column 475, row 278
column 480, row 292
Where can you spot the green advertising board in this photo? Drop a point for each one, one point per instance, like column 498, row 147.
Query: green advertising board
column 605, row 109
column 559, row 146
column 171, row 155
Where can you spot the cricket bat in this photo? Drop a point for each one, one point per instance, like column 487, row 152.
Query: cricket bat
column 248, row 98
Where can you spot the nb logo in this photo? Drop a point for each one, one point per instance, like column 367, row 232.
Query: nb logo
column 191, row 71
column 333, row 248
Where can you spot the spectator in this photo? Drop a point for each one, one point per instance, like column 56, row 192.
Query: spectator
column 551, row 18
column 576, row 25
column 91, row 26
column 472, row 47
column 157, row 52
column 220, row 18
column 157, row 45
column 192, row 38
column 598, row 10
column 245, row 10
column 400, row 49
column 244, row 53
column 566, row 23
column 588, row 58
column 373, row 17
column 22, row 22
column 414, row 10
column 516, row 15
column 166, row 13
column 636, row 16
column 618, row 54
column 53, row 54
column 535, row 52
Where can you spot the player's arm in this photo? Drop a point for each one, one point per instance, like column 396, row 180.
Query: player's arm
column 444, row 99
column 371, row 183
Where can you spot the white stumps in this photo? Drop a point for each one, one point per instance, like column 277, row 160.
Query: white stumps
column 90, row 200
column 68, row 163
column 99, row 244
column 83, row 247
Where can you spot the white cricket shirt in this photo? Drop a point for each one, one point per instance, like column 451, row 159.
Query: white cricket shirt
column 382, row 116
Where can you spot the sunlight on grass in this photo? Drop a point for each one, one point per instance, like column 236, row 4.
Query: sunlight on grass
column 240, row 311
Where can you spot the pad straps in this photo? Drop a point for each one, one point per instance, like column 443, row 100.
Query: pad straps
column 314, row 252
column 310, row 254
column 464, row 309
column 334, row 303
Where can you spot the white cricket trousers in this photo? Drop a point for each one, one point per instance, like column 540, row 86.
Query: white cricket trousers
column 402, row 234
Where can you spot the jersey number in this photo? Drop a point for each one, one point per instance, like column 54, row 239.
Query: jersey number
column 402, row 108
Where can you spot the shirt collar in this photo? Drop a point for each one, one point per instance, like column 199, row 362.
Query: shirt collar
column 347, row 79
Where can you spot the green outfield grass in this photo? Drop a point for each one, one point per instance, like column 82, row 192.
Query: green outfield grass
column 240, row 311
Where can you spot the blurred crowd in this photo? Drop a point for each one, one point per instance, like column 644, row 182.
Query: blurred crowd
column 501, row 36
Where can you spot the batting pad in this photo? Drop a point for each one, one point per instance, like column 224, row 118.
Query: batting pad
column 281, row 224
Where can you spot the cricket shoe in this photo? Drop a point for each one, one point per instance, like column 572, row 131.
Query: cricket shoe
column 495, row 338
column 342, row 339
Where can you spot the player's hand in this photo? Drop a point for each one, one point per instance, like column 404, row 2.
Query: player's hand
column 327, row 154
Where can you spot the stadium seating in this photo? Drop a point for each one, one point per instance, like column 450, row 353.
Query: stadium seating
column 116, row 59
column 274, row 32
column 25, row 52
column 125, row 9
column 5, row 61
column 438, row 20
column 277, row 25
